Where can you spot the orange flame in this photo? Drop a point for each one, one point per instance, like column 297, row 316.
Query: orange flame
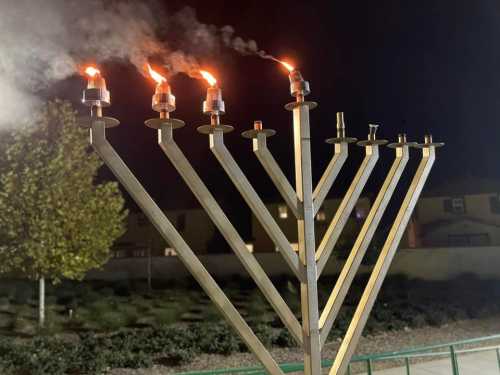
column 92, row 71
column 156, row 76
column 210, row 78
column 287, row 65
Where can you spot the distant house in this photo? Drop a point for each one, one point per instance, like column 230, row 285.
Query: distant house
column 460, row 213
column 288, row 224
column 141, row 237
column 203, row 237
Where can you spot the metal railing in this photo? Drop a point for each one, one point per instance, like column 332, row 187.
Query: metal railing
column 450, row 349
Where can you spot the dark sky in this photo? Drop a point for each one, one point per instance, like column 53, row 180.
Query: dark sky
column 416, row 66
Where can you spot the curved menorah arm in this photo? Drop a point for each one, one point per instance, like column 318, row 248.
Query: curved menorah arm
column 214, row 211
column 384, row 260
column 254, row 202
column 186, row 255
column 330, row 175
column 276, row 174
column 343, row 212
column 363, row 240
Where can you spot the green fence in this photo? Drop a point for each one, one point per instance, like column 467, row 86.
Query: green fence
column 451, row 350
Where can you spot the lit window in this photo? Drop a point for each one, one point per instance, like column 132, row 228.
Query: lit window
column 169, row 252
column 294, row 245
column 283, row 212
column 249, row 247
column 321, row 216
column 120, row 254
column 360, row 213
column 139, row 253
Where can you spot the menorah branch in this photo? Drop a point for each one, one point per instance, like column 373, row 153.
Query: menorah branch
column 363, row 239
column 216, row 214
column 341, row 142
column 330, row 175
column 347, row 204
column 384, row 260
column 254, row 202
column 275, row 173
column 174, row 239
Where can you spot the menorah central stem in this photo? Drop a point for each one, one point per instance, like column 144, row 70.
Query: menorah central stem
column 306, row 240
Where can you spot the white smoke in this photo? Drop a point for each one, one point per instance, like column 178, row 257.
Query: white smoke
column 244, row 47
column 42, row 42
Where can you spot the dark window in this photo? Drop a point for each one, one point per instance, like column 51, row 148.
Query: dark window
column 495, row 204
column 457, row 240
column 141, row 220
column 454, row 205
column 447, row 205
column 480, row 239
column 181, row 222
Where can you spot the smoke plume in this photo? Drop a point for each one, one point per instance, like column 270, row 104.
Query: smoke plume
column 44, row 42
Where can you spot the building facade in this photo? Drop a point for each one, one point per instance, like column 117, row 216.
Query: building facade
column 463, row 213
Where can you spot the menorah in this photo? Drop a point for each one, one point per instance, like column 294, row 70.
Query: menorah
column 303, row 200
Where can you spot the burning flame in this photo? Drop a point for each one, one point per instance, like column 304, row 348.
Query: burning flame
column 156, row 76
column 287, row 65
column 92, row 71
column 210, row 78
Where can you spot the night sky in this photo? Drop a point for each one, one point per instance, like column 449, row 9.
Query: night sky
column 413, row 66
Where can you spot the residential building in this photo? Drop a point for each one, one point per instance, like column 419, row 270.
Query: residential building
column 459, row 213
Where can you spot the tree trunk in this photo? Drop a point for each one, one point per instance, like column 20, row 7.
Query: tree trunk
column 41, row 302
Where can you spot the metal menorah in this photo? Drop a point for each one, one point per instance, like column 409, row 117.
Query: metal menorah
column 303, row 200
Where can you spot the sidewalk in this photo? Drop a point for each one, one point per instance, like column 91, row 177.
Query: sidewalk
column 484, row 363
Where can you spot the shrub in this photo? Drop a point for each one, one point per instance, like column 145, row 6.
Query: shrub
column 112, row 320
column 418, row 321
column 436, row 317
column 106, row 292
column 23, row 293
column 216, row 338
column 265, row 334
column 4, row 303
column 122, row 288
column 284, row 339
column 24, row 326
column 211, row 314
column 89, row 296
column 143, row 305
column 165, row 316
column 130, row 314
column 6, row 289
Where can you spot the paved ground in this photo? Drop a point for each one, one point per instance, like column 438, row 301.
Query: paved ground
column 484, row 363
